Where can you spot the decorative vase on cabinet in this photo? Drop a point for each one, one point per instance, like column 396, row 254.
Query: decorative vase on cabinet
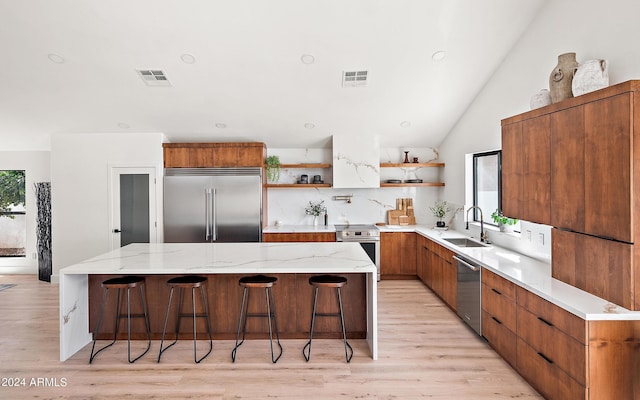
column 591, row 75
column 540, row 99
column 562, row 77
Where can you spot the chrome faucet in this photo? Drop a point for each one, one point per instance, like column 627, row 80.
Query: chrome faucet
column 482, row 235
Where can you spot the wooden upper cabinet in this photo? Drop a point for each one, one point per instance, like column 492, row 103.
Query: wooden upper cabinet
column 567, row 166
column 608, row 167
column 212, row 155
column 512, row 170
column 536, row 170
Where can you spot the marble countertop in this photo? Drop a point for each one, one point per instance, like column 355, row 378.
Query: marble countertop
column 529, row 273
column 228, row 258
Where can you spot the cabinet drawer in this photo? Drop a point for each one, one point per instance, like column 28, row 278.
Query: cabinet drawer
column 501, row 339
column 564, row 351
column 499, row 306
column 552, row 314
column 545, row 376
column 499, row 284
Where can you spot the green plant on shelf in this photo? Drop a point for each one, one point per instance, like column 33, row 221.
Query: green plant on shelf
column 273, row 168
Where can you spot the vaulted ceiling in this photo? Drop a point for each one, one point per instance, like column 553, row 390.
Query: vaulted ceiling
column 265, row 70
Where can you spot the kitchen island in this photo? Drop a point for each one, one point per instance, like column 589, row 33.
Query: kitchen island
column 223, row 264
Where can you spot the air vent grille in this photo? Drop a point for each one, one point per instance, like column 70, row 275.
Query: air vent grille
column 153, row 77
column 354, row 78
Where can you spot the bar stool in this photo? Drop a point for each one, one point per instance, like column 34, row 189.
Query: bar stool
column 128, row 283
column 260, row 282
column 327, row 281
column 185, row 282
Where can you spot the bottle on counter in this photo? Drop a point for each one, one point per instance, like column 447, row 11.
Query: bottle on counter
column 326, row 219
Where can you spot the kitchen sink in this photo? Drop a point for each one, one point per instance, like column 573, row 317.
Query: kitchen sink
column 464, row 242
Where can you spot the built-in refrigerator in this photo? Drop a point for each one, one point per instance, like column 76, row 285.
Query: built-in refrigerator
column 212, row 205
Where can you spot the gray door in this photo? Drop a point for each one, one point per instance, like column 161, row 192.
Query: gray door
column 134, row 208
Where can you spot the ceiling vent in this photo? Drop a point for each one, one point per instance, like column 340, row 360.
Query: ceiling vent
column 153, row 77
column 354, row 78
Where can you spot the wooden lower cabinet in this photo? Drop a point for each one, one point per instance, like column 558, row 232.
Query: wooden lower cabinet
column 566, row 357
column 499, row 315
column 398, row 258
column 299, row 237
column 437, row 270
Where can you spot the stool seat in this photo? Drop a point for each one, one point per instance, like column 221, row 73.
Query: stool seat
column 187, row 281
column 328, row 281
column 122, row 282
column 261, row 281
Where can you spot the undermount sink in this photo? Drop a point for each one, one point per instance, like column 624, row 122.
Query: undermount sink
column 464, row 242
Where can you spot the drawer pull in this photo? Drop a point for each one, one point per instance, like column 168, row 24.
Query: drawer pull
column 545, row 321
column 497, row 320
column 547, row 359
column 496, row 291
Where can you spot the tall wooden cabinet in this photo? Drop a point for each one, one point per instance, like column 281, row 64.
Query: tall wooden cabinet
column 571, row 165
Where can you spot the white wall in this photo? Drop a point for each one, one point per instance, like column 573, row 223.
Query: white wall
column 592, row 29
column 36, row 165
column 80, row 168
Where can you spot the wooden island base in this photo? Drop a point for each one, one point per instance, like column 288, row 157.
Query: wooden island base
column 293, row 298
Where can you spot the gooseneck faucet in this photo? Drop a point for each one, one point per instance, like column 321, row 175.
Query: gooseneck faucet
column 482, row 237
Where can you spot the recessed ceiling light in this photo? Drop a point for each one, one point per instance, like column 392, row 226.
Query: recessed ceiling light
column 221, row 125
column 438, row 55
column 309, row 125
column 188, row 58
column 405, row 124
column 307, row 59
column 123, row 125
column 55, row 58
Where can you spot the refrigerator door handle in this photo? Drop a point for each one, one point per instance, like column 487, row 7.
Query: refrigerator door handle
column 214, row 222
column 207, row 214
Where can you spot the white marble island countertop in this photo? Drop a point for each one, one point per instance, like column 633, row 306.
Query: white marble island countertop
column 299, row 229
column 228, row 258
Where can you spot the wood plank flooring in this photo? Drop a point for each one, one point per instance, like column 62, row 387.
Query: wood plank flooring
column 425, row 352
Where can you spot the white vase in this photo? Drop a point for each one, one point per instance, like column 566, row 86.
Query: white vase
column 315, row 220
column 540, row 99
column 591, row 75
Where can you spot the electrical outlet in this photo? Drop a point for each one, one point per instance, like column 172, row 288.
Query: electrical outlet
column 528, row 235
column 541, row 239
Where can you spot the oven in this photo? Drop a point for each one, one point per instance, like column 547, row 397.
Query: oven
column 367, row 235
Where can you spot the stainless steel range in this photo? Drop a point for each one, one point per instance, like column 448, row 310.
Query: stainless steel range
column 367, row 235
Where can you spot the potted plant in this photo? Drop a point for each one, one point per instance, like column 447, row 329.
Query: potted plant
column 315, row 208
column 273, row 168
column 502, row 221
column 439, row 210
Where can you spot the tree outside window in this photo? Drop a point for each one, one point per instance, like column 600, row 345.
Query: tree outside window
column 12, row 213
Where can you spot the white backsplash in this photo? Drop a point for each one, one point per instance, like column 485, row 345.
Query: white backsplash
column 367, row 205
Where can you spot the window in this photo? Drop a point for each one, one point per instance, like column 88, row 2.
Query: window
column 13, row 224
column 486, row 184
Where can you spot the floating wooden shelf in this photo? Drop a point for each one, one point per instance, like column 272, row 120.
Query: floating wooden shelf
column 297, row 185
column 310, row 165
column 411, row 165
column 424, row 184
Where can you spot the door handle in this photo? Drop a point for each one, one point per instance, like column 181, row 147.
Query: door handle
column 117, row 230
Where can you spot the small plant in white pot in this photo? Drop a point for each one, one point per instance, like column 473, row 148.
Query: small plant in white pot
column 440, row 210
column 315, row 208
column 505, row 224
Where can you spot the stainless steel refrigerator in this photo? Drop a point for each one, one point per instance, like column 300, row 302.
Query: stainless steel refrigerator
column 212, row 205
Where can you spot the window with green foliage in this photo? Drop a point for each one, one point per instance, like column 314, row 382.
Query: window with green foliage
column 486, row 184
column 12, row 213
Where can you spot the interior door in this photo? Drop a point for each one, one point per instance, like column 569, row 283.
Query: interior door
column 133, row 206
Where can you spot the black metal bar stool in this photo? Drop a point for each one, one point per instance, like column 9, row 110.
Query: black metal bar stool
column 327, row 281
column 128, row 283
column 188, row 282
column 260, row 282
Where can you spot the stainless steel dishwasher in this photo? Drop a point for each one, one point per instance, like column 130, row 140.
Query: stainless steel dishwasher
column 469, row 293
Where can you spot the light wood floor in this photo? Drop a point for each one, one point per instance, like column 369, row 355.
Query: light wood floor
column 425, row 352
